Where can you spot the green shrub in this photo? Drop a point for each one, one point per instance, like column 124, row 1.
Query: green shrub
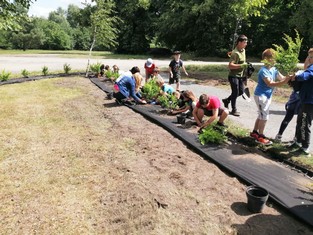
column 25, row 73
column 168, row 101
column 212, row 134
column 95, row 67
column 45, row 70
column 287, row 59
column 151, row 90
column 112, row 75
column 4, row 76
column 67, row 68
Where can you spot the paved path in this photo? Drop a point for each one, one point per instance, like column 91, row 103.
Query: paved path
column 15, row 63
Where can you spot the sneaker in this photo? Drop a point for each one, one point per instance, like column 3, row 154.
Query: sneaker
column 278, row 138
column 225, row 102
column 254, row 134
column 235, row 113
column 294, row 145
column 221, row 125
column 302, row 152
column 263, row 140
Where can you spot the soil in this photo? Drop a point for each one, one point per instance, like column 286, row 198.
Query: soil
column 134, row 178
column 206, row 200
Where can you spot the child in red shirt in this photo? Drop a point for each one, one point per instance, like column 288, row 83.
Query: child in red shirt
column 209, row 106
column 149, row 67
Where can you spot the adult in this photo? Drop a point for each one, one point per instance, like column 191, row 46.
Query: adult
column 126, row 86
column 237, row 66
column 305, row 116
column 149, row 68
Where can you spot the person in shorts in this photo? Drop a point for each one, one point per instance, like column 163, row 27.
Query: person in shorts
column 263, row 94
column 174, row 69
column 209, row 106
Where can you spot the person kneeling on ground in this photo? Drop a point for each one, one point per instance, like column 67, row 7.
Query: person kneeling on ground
column 126, row 87
column 263, row 94
column 190, row 103
column 209, row 106
column 167, row 89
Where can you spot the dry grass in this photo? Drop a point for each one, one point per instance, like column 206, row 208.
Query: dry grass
column 69, row 165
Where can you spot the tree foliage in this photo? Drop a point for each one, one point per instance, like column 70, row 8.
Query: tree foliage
column 13, row 12
column 204, row 27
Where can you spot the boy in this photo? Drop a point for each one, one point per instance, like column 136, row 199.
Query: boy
column 209, row 106
column 174, row 69
column 305, row 116
column 263, row 94
column 237, row 66
column 149, row 68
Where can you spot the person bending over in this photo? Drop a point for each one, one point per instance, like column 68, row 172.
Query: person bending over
column 190, row 103
column 209, row 106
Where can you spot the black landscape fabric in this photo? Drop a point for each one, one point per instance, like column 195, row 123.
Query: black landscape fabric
column 286, row 187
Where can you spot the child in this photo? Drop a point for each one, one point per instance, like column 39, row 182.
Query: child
column 292, row 108
column 156, row 74
column 174, row 69
column 263, row 94
column 209, row 106
column 149, row 67
column 190, row 103
column 167, row 89
column 305, row 116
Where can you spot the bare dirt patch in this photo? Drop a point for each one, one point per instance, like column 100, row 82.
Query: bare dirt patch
column 74, row 163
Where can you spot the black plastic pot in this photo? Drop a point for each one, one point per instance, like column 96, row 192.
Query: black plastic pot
column 181, row 119
column 257, row 198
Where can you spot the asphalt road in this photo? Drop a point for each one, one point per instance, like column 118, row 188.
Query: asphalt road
column 15, row 63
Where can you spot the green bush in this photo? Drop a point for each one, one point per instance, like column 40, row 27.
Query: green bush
column 151, row 90
column 95, row 67
column 45, row 70
column 112, row 75
column 67, row 68
column 168, row 101
column 287, row 59
column 25, row 73
column 212, row 134
column 4, row 76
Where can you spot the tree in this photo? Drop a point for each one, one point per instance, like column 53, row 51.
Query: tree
column 302, row 20
column 137, row 28
column 10, row 13
column 103, row 22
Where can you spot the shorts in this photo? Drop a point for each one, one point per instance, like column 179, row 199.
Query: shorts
column 209, row 113
column 263, row 105
column 174, row 79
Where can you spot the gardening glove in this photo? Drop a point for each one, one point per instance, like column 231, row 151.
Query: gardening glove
column 244, row 65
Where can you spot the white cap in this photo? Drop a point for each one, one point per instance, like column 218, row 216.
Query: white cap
column 149, row 62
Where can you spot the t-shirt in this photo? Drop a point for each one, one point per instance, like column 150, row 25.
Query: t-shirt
column 149, row 70
column 175, row 67
column 239, row 57
column 262, row 89
column 168, row 89
column 214, row 103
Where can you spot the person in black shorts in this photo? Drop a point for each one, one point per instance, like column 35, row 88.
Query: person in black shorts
column 174, row 69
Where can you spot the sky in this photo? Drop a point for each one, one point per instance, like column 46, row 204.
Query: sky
column 42, row 8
